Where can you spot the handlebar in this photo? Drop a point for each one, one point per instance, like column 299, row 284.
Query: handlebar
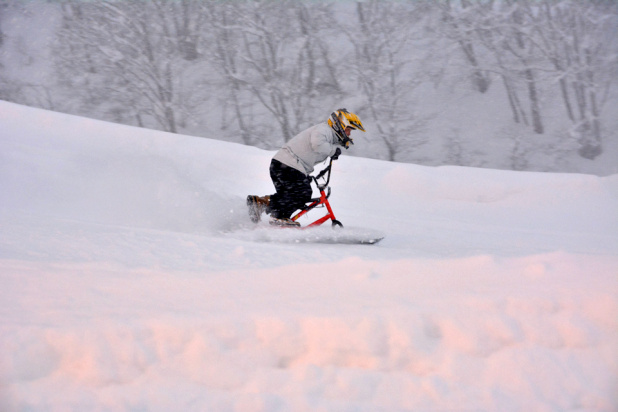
column 326, row 170
column 323, row 172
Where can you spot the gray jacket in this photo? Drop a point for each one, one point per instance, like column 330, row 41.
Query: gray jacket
column 308, row 148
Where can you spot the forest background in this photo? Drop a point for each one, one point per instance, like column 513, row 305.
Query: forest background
column 522, row 85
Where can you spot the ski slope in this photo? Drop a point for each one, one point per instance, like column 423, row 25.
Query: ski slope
column 131, row 280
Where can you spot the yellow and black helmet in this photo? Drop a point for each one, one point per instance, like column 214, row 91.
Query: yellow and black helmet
column 339, row 120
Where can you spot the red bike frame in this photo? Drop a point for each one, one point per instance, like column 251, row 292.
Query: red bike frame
column 321, row 201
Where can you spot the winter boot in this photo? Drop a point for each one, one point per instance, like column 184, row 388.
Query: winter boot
column 257, row 205
column 283, row 222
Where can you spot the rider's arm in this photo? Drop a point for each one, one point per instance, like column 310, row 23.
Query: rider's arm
column 321, row 144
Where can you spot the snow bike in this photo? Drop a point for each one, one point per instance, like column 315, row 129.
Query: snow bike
column 321, row 201
column 350, row 236
column 317, row 235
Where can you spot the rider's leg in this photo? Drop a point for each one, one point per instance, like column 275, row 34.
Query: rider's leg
column 293, row 190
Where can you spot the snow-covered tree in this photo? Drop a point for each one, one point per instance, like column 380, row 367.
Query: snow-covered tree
column 275, row 63
column 579, row 39
column 382, row 37
column 458, row 24
column 128, row 59
column 259, row 71
column 535, row 46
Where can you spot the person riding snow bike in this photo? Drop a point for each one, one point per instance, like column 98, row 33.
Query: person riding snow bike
column 292, row 165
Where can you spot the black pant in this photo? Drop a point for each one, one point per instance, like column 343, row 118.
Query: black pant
column 293, row 190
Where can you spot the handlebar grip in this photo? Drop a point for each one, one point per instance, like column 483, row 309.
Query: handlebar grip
column 336, row 155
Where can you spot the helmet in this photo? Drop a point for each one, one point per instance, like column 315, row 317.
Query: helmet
column 339, row 120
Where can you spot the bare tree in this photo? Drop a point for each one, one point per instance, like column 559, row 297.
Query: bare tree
column 227, row 57
column 518, row 41
column 459, row 25
column 381, row 38
column 274, row 59
column 536, row 45
column 579, row 40
column 4, row 4
column 504, row 29
column 129, row 54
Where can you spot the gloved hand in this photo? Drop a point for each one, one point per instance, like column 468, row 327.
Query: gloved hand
column 336, row 155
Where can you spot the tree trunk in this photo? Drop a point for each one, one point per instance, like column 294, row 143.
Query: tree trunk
column 537, row 122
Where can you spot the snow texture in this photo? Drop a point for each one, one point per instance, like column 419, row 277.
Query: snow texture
column 132, row 280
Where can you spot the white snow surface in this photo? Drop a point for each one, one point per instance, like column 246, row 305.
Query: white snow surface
column 132, row 280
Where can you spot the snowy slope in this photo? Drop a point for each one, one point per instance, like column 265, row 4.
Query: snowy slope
column 131, row 280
